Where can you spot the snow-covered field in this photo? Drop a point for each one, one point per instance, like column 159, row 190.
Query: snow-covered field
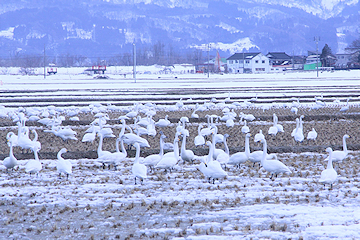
column 99, row 203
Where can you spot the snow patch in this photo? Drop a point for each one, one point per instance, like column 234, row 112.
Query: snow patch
column 8, row 33
column 228, row 28
column 238, row 46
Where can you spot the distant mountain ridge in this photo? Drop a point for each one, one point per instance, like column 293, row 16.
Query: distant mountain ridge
column 100, row 28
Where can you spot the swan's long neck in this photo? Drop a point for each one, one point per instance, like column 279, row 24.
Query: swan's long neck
column 122, row 128
column 212, row 147
column 100, row 144
column 59, row 156
column 247, row 146
column 199, row 129
column 344, row 145
column 297, row 125
column 100, row 122
column 208, row 121
column 123, row 150
column 137, row 155
column 161, row 146
column 263, row 159
column 300, row 123
column 11, row 154
column 330, row 165
column 176, row 147
column 19, row 129
column 226, row 146
column 117, row 145
column 35, row 137
column 183, row 144
column 211, row 153
column 36, row 154
column 275, row 119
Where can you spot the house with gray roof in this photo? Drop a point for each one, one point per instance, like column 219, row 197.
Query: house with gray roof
column 279, row 58
column 248, row 63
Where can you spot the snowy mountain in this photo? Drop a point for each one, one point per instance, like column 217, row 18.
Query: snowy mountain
column 102, row 28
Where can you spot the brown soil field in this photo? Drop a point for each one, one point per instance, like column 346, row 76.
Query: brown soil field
column 329, row 122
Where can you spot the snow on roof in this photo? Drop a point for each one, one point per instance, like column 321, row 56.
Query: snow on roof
column 239, row 56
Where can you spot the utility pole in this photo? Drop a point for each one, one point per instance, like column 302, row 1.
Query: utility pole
column 317, row 39
column 134, row 70
column 208, row 72
column 243, row 61
column 44, row 63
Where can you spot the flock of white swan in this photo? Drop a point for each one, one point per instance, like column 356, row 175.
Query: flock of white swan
column 213, row 166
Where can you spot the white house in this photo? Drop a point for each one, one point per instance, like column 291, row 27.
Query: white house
column 248, row 63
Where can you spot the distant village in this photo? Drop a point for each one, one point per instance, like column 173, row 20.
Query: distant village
column 257, row 62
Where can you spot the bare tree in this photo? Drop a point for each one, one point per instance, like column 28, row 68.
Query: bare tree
column 67, row 60
column 29, row 62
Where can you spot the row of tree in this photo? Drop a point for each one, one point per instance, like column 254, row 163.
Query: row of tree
column 158, row 53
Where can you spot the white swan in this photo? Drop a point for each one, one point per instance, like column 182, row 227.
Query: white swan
column 36, row 143
column 294, row 110
column 186, row 155
column 169, row 160
column 214, row 135
column 105, row 157
column 346, row 107
column 163, row 122
column 230, row 122
column 245, row 129
column 218, row 138
column 296, row 128
column 151, row 130
column 62, row 165
column 33, row 165
column 329, row 175
column 272, row 166
column 259, row 136
column 139, row 130
column 279, row 126
column 214, row 169
column 131, row 138
column 107, row 132
column 143, row 122
column 89, row 136
column 241, row 157
column 207, row 131
column 139, row 170
column 223, row 158
column 248, row 117
column 199, row 140
column 23, row 137
column 273, row 130
column 338, row 156
column 10, row 162
column 12, row 138
column 133, row 113
column 119, row 155
column 194, row 114
column 151, row 160
column 299, row 135
column 296, row 103
column 256, row 156
column 66, row 133
column 312, row 135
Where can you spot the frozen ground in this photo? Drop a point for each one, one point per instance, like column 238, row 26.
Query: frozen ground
column 105, row 204
column 181, row 204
